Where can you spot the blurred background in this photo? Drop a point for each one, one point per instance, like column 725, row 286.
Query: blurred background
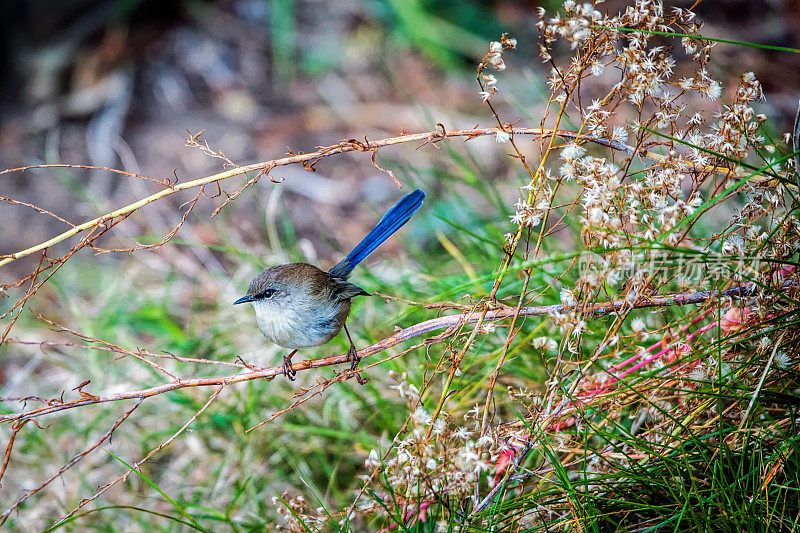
column 119, row 83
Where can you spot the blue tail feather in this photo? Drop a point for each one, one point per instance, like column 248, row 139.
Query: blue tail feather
column 390, row 223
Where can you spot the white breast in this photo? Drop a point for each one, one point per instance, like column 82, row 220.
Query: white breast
column 297, row 325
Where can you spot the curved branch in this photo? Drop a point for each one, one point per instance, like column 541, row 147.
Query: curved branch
column 342, row 147
column 422, row 328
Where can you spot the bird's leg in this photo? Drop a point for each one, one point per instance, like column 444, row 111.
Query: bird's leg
column 287, row 366
column 352, row 356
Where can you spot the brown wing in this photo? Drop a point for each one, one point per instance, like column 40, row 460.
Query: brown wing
column 344, row 290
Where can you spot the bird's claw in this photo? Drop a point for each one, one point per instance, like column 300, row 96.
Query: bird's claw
column 288, row 371
column 352, row 356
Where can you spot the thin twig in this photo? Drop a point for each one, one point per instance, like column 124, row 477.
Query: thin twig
column 155, row 450
column 16, row 428
column 342, row 147
column 400, row 336
column 70, row 464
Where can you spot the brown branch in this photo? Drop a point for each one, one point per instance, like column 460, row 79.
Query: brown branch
column 342, row 147
column 168, row 237
column 20, row 305
column 84, row 167
column 240, row 190
column 37, row 209
column 386, row 171
column 109, row 346
column 393, row 340
column 55, row 264
column 117, row 349
column 303, row 395
column 16, row 428
column 194, row 141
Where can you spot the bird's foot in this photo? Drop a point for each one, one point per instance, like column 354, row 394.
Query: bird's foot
column 288, row 371
column 352, row 356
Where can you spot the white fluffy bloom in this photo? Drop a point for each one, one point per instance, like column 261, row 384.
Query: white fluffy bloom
column 545, row 343
column 567, row 297
column 619, row 134
column 486, row 328
column 782, row 360
column 373, row 460
column 713, row 91
column 462, row 433
column 421, row 417
column 572, row 151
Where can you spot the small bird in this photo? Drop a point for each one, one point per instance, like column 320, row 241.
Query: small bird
column 298, row 305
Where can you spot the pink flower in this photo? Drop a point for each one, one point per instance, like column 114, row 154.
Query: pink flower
column 734, row 319
column 500, row 466
column 681, row 350
column 417, row 514
column 569, row 422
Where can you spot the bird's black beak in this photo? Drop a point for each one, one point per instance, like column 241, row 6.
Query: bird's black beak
column 244, row 300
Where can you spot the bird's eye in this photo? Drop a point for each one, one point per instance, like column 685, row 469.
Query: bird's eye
column 267, row 293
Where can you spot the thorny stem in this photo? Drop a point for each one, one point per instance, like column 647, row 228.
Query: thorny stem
column 342, row 147
column 434, row 324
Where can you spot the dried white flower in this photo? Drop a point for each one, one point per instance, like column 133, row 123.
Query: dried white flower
column 568, row 297
column 545, row 343
column 782, row 360
column 373, row 459
column 486, row 328
column 619, row 134
column 572, row 151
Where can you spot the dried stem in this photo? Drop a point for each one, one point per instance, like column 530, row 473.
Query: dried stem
column 155, row 450
column 342, row 147
column 434, row 324
column 67, row 466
